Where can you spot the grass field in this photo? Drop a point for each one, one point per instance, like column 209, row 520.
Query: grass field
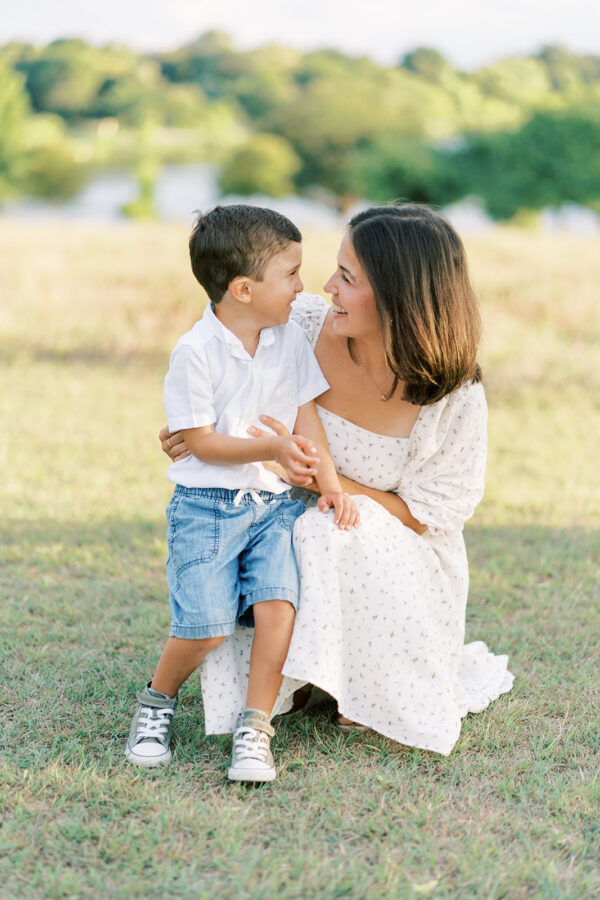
column 87, row 318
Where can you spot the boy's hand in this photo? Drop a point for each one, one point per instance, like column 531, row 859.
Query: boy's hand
column 299, row 477
column 296, row 454
column 346, row 513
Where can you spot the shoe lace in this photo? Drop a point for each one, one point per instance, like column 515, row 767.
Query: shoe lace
column 251, row 743
column 153, row 723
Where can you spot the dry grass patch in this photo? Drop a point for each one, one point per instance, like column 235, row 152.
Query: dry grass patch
column 89, row 315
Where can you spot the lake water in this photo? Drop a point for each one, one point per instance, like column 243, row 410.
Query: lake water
column 182, row 189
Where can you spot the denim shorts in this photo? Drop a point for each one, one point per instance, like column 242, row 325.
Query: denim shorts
column 226, row 556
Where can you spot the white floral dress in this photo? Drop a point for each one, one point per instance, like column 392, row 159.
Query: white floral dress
column 380, row 624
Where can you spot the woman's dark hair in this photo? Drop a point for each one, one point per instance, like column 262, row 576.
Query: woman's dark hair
column 430, row 321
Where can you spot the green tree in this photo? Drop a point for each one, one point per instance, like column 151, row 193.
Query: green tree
column 60, row 78
column 52, row 171
column 553, row 159
column 147, row 169
column 319, row 65
column 333, row 117
column 568, row 71
column 428, row 63
column 210, row 61
column 14, row 109
column 355, row 127
column 268, row 81
column 66, row 76
column 183, row 106
column 522, row 81
column 392, row 169
column 132, row 97
column 266, row 164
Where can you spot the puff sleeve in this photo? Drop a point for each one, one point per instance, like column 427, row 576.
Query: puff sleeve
column 443, row 480
column 309, row 311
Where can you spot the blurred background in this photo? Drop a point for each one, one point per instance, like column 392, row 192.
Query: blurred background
column 117, row 121
column 491, row 110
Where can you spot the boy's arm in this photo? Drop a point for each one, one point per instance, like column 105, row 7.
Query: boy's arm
column 189, row 398
column 295, row 453
column 309, row 425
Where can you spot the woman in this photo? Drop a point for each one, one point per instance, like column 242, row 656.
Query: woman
column 382, row 610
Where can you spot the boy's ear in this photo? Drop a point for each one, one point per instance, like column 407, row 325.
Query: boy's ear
column 240, row 287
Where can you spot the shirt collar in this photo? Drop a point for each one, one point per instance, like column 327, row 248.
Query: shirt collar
column 236, row 348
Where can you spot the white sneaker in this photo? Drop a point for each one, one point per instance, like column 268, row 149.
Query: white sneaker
column 150, row 733
column 251, row 758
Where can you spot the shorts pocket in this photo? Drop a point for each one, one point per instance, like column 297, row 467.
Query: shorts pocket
column 288, row 512
column 194, row 532
column 171, row 513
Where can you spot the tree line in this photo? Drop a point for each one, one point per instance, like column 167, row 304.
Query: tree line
column 520, row 134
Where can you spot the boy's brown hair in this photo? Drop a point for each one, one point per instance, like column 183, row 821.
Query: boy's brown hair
column 236, row 240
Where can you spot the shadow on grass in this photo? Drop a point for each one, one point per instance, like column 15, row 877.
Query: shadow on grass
column 527, row 548
column 507, row 563
column 52, row 571
column 113, row 533
column 86, row 613
column 90, row 355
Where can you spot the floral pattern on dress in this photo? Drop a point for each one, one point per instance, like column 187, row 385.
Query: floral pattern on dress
column 380, row 624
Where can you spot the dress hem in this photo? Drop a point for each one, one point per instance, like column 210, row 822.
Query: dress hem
column 405, row 743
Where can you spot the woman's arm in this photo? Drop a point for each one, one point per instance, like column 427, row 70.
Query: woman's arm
column 327, row 483
column 175, row 448
column 392, row 502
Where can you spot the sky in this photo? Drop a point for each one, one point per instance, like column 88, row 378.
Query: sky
column 470, row 33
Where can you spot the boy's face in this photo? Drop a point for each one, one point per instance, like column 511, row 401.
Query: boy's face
column 272, row 297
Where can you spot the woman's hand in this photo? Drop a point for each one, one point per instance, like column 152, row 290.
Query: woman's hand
column 173, row 445
column 292, row 463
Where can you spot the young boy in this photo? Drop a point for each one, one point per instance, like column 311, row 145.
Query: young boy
column 230, row 519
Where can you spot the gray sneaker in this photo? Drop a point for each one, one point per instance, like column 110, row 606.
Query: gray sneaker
column 150, row 733
column 251, row 758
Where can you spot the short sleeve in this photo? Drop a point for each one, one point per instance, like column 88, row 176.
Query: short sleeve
column 443, row 479
column 188, row 391
column 311, row 381
column 309, row 311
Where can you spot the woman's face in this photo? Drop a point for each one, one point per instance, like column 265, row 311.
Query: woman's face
column 354, row 307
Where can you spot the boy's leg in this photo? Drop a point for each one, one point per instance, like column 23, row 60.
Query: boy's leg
column 202, row 572
column 178, row 660
column 273, row 625
column 150, row 733
column 267, row 570
column 251, row 758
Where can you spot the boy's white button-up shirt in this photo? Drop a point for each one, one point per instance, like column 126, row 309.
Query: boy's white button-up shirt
column 212, row 379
